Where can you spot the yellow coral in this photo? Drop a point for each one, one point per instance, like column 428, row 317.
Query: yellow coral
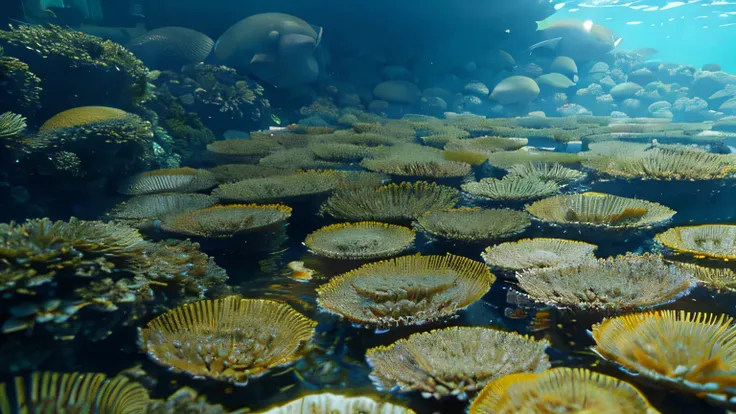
column 83, row 115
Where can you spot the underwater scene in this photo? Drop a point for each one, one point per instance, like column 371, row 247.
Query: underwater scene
column 380, row 207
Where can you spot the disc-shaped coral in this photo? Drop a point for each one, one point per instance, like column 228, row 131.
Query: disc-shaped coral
column 242, row 150
column 537, row 253
column 142, row 211
column 569, row 390
column 693, row 352
column 169, row 180
column 454, row 361
column 617, row 284
column 75, row 392
column 333, row 403
column 230, row 173
column 719, row 279
column 279, row 188
column 710, row 241
column 511, row 188
column 415, row 161
column 658, row 164
column 473, row 224
column 360, row 241
column 229, row 339
column 408, row 290
column 546, row 171
column 393, row 202
column 600, row 210
column 228, row 221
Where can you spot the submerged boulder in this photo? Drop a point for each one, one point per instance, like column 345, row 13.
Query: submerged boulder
column 515, row 90
column 397, row 91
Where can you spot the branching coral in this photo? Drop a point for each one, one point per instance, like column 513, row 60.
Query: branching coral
column 454, row 362
column 692, row 352
column 711, row 241
column 21, row 87
column 511, row 188
column 228, row 221
column 223, row 88
column 473, row 224
column 600, row 210
column 573, row 390
column 56, row 392
column 360, row 241
column 230, row 339
column 11, row 125
column 393, row 202
column 92, row 59
column 279, row 188
column 182, row 180
column 537, row 253
column 409, row 290
column 618, row 284
column 332, row 403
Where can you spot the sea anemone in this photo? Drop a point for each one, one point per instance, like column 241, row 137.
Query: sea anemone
column 618, row 284
column 546, row 171
column 279, row 188
column 75, row 392
column 360, row 241
column 473, row 224
column 710, row 241
column 600, row 210
column 692, row 352
column 454, row 361
column 332, row 403
column 393, row 202
column 169, row 180
column 409, row 290
column 229, row 339
column 228, row 221
column 569, row 390
column 537, row 253
column 511, row 188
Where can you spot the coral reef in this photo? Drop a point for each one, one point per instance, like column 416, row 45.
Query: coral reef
column 72, row 63
column 230, row 339
column 537, row 253
column 21, row 87
column 454, row 362
column 392, row 203
column 472, row 225
column 409, row 290
column 692, row 352
column 560, row 389
column 619, row 284
column 360, row 241
column 600, row 210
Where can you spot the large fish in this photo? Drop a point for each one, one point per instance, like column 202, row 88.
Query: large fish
column 580, row 41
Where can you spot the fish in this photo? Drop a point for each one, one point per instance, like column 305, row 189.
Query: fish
column 550, row 44
column 645, row 52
